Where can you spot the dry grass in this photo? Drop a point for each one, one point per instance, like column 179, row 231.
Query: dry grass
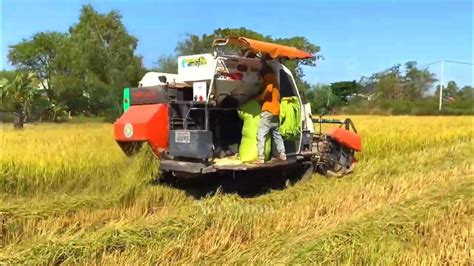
column 70, row 196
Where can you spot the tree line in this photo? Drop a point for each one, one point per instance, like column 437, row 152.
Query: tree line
column 393, row 91
column 83, row 71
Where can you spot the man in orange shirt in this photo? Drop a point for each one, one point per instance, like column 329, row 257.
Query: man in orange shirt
column 269, row 118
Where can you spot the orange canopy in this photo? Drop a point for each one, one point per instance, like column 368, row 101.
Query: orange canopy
column 272, row 49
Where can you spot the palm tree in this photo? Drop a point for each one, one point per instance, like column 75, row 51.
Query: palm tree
column 18, row 94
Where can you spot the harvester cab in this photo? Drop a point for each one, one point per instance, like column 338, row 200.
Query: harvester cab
column 205, row 118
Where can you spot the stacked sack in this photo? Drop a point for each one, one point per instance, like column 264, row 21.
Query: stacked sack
column 250, row 114
column 290, row 118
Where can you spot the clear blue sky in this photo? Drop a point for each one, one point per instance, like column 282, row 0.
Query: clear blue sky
column 357, row 38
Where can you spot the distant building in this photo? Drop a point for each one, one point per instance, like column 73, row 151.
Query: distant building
column 42, row 87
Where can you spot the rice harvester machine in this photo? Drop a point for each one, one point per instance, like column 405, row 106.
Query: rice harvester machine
column 205, row 118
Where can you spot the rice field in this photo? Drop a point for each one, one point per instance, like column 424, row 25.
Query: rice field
column 68, row 195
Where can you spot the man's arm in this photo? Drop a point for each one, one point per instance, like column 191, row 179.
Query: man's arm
column 266, row 92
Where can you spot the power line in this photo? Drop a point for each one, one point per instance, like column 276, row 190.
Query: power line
column 447, row 61
column 430, row 64
column 457, row 62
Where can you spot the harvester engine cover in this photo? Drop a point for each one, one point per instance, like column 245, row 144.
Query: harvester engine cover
column 143, row 123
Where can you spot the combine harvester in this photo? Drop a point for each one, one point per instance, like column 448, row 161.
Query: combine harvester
column 204, row 119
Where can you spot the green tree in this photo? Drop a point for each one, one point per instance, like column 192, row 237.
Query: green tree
column 392, row 85
column 103, row 58
column 85, row 69
column 166, row 64
column 17, row 95
column 322, row 98
column 8, row 74
column 389, row 84
column 458, row 100
column 6, row 77
column 344, row 89
column 43, row 54
column 416, row 81
column 368, row 86
column 467, row 92
column 194, row 44
column 451, row 89
column 102, row 47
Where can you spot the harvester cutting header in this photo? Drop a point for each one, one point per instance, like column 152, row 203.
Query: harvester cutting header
column 225, row 113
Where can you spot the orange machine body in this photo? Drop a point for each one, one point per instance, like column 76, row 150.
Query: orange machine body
column 348, row 139
column 143, row 123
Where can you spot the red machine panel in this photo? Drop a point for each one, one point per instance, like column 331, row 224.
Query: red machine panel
column 144, row 123
column 348, row 139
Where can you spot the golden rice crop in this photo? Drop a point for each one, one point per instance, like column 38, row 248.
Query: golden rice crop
column 69, row 195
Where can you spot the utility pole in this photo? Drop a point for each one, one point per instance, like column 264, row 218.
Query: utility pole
column 441, row 86
column 329, row 95
column 442, row 76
